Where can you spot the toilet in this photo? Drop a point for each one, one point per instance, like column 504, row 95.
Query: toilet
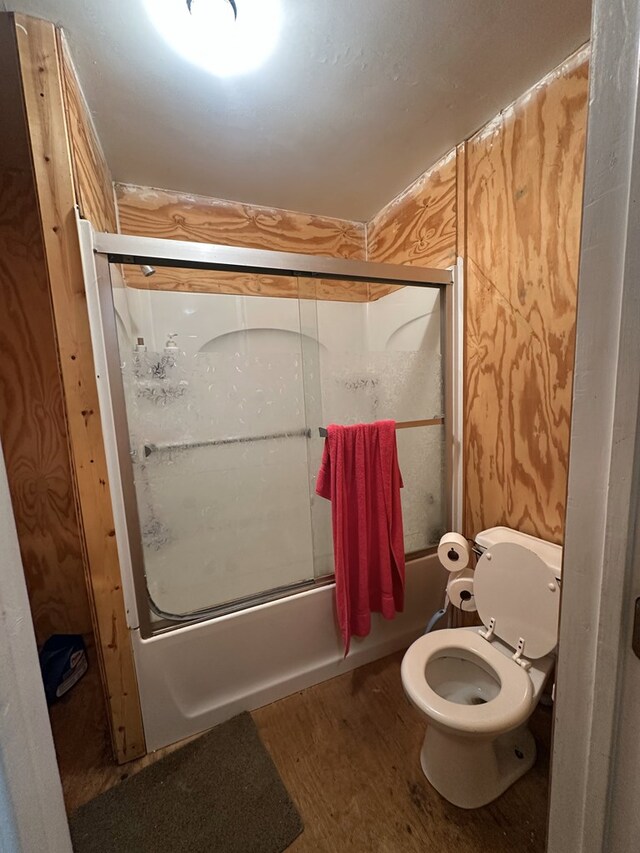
column 477, row 687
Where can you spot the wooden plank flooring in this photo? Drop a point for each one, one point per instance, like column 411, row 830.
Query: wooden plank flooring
column 347, row 750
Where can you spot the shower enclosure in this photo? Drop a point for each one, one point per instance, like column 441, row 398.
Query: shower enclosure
column 218, row 375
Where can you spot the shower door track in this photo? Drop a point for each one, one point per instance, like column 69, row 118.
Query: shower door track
column 99, row 250
column 143, row 251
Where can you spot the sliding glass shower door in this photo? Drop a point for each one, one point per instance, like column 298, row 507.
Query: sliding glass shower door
column 378, row 356
column 227, row 380
column 214, row 390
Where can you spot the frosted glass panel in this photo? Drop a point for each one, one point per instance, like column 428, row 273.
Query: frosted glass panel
column 421, row 458
column 381, row 359
column 216, row 416
column 225, row 395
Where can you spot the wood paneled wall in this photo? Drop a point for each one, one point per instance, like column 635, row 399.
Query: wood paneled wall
column 508, row 201
column 176, row 216
column 54, row 385
column 151, row 212
column 32, row 420
column 524, row 209
column 91, row 176
column 419, row 226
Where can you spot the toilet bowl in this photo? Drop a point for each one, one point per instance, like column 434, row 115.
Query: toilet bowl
column 477, row 687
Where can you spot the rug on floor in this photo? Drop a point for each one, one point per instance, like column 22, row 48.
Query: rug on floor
column 220, row 793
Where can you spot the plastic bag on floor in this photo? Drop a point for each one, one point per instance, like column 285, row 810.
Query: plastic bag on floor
column 63, row 662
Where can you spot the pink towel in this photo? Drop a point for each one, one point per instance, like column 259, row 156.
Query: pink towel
column 359, row 474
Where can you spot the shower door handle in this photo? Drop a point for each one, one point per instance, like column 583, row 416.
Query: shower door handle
column 635, row 637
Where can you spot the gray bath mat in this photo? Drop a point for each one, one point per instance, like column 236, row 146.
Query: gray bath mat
column 220, row 793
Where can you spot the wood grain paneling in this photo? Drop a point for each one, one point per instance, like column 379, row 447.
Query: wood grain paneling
column 32, row 423
column 92, row 179
column 524, row 206
column 158, row 213
column 508, row 202
column 50, row 148
column 419, row 226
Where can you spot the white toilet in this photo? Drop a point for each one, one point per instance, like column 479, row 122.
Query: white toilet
column 477, row 687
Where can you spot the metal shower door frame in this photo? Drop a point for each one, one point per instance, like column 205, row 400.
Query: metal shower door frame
column 100, row 250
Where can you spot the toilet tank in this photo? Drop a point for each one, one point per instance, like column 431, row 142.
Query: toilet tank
column 550, row 553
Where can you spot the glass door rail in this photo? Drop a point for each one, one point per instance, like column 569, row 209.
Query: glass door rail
column 125, row 249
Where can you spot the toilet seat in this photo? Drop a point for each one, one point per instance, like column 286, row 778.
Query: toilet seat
column 517, row 591
column 509, row 709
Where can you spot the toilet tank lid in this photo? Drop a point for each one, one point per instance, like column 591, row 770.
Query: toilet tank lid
column 549, row 553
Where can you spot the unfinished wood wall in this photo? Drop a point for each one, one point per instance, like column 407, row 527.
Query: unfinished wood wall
column 508, row 201
column 91, row 176
column 150, row 212
column 524, row 209
column 32, row 420
column 419, row 226
column 56, row 377
column 250, row 284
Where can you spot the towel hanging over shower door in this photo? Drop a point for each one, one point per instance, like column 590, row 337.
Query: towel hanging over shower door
column 359, row 474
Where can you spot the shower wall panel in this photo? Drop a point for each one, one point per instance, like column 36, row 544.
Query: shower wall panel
column 378, row 361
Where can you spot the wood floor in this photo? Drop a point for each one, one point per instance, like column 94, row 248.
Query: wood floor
column 347, row 750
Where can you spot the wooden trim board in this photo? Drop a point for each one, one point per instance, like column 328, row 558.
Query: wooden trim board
column 33, row 429
column 461, row 251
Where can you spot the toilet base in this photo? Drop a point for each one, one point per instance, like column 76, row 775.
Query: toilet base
column 472, row 771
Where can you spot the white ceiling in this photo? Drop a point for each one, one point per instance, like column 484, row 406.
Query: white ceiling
column 358, row 98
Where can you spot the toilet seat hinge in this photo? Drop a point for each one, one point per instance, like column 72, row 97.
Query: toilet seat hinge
column 517, row 656
column 490, row 631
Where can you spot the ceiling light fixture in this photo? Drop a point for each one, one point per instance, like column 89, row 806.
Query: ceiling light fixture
column 216, row 35
column 232, row 3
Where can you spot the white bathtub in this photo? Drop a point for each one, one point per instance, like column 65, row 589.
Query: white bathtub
column 195, row 677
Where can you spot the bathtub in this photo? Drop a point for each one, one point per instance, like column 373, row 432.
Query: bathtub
column 195, row 677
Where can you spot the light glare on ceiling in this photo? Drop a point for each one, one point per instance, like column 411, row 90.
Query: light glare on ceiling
column 211, row 38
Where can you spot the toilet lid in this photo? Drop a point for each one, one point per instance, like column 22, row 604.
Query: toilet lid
column 516, row 588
